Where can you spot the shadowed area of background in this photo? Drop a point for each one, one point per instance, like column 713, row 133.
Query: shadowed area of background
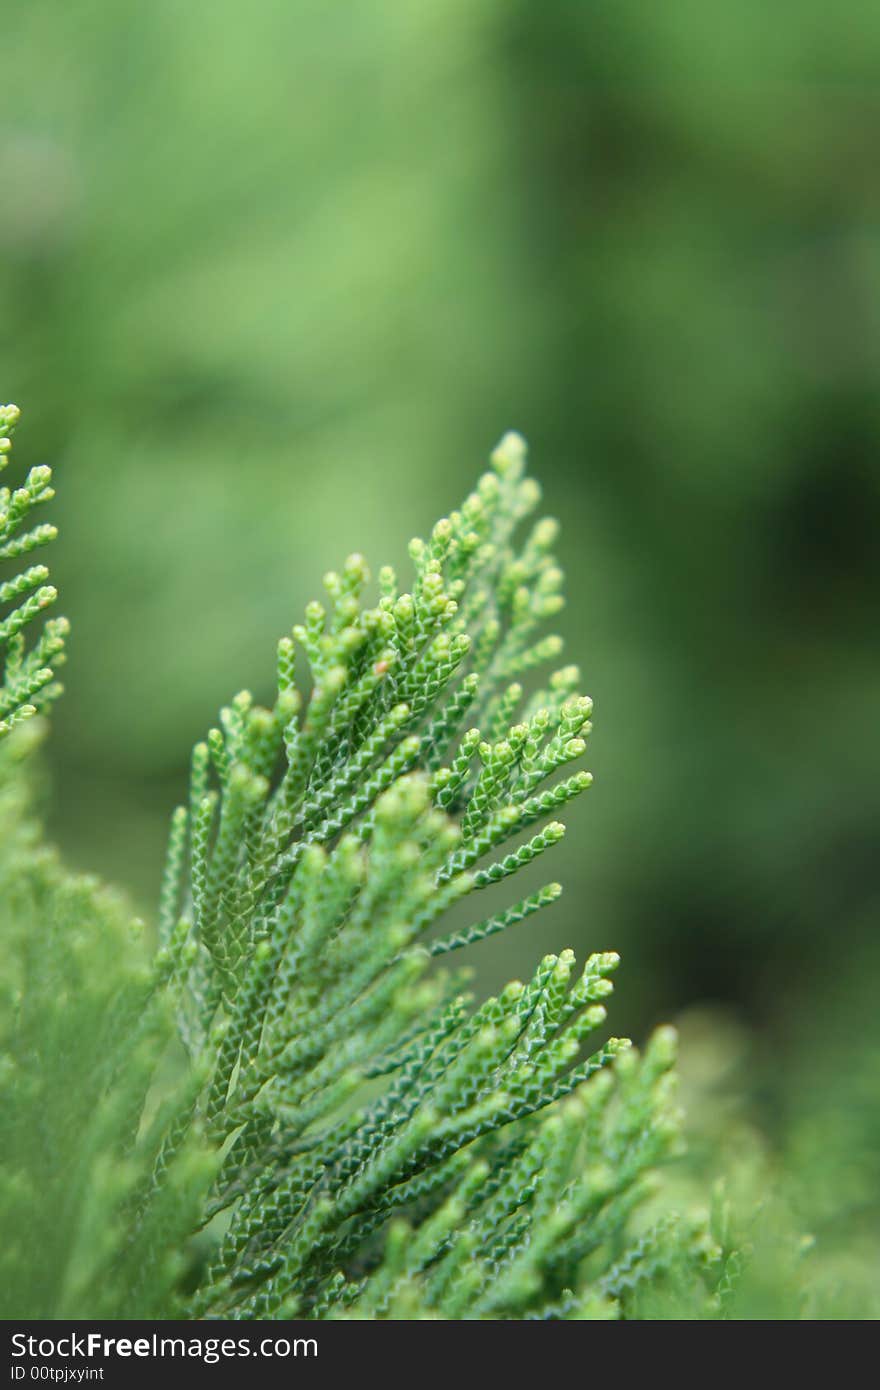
column 274, row 278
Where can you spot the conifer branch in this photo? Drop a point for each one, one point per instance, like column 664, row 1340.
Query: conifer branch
column 28, row 681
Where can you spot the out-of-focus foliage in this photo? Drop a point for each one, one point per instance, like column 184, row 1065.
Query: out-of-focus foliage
column 87, row 1230
column 790, row 1147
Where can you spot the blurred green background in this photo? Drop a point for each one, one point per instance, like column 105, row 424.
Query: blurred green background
column 275, row 277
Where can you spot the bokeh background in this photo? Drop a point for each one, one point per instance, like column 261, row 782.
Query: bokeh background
column 275, row 276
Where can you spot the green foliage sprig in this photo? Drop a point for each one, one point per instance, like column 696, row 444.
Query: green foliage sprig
column 87, row 1231
column 348, row 1134
column 357, row 1098
column 28, row 681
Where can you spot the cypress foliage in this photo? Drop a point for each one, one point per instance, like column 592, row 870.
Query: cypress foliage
column 339, row 1130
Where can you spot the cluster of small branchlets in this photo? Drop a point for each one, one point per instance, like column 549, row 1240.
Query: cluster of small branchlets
column 504, row 1231
column 391, row 688
column 323, row 839
column 508, row 1208
column 28, row 680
